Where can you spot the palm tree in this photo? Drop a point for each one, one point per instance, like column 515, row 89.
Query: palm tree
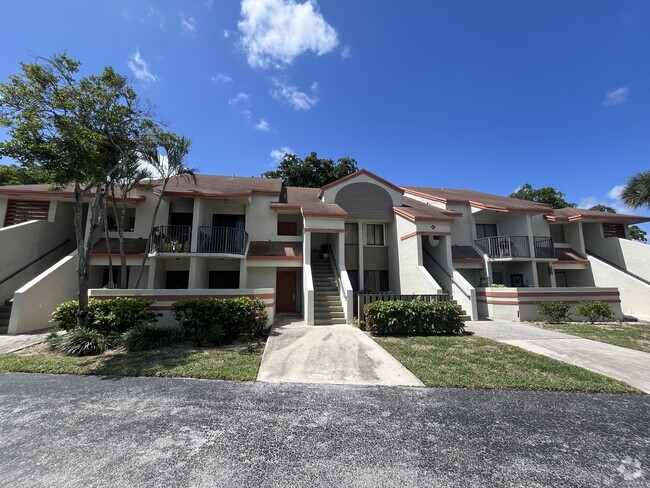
column 167, row 165
column 637, row 190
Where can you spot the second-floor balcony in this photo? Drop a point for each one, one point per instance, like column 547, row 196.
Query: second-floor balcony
column 178, row 239
column 509, row 247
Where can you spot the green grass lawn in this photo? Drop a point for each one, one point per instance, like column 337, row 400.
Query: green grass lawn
column 474, row 362
column 177, row 361
column 628, row 334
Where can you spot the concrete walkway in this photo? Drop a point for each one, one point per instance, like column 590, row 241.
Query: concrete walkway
column 628, row 365
column 336, row 354
column 11, row 343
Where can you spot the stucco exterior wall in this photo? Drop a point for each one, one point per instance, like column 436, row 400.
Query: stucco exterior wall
column 22, row 243
column 635, row 294
column 636, row 256
column 414, row 278
column 36, row 300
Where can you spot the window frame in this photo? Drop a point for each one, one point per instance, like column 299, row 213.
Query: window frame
column 374, row 234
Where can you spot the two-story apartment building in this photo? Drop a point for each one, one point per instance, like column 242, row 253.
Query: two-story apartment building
column 308, row 251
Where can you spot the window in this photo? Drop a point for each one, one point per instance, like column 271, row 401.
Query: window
column 129, row 220
column 352, row 234
column 375, row 234
column 614, row 230
column 354, row 279
column 486, row 230
column 177, row 280
column 375, row 280
column 497, row 278
column 224, row 280
column 117, row 276
column 287, row 228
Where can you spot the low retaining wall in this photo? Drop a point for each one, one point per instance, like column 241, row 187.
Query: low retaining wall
column 164, row 299
column 519, row 304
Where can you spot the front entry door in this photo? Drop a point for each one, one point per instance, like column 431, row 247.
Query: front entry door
column 286, row 291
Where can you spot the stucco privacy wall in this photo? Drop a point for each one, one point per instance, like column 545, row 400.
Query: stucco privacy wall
column 519, row 304
column 635, row 294
column 36, row 300
column 414, row 278
column 605, row 247
column 164, row 299
column 22, row 243
column 636, row 257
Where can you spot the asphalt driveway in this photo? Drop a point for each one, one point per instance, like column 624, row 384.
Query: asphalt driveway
column 70, row 431
column 621, row 363
column 336, row 354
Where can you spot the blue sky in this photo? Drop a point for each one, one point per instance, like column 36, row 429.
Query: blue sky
column 460, row 94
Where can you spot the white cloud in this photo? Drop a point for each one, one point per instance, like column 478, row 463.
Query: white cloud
column 220, row 78
column 188, row 25
column 616, row 192
column 314, row 86
column 262, row 125
column 616, row 97
column 346, row 52
column 612, row 199
column 241, row 103
column 277, row 155
column 226, row 33
column 274, row 32
column 157, row 16
column 298, row 100
column 140, row 68
column 209, row 4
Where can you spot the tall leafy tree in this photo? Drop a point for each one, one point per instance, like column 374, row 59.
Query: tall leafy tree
column 636, row 232
column 312, row 172
column 547, row 195
column 75, row 129
column 637, row 190
column 17, row 175
column 166, row 156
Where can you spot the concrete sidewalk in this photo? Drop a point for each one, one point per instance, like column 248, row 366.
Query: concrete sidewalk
column 628, row 365
column 336, row 354
column 11, row 343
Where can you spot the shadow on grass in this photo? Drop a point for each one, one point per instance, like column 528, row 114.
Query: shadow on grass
column 146, row 363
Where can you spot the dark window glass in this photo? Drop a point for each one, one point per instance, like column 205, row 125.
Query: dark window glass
column 376, row 280
column 375, row 234
column 224, row 280
column 486, row 230
column 351, row 234
column 177, row 280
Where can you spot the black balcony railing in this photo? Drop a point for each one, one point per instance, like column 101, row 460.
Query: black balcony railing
column 504, row 246
column 497, row 247
column 544, row 247
column 171, row 238
column 227, row 240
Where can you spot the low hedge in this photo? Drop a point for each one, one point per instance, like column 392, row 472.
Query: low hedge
column 116, row 315
column 214, row 321
column 413, row 318
column 554, row 312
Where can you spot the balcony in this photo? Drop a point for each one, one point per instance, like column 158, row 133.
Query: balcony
column 509, row 247
column 226, row 240
column 166, row 239
column 171, row 239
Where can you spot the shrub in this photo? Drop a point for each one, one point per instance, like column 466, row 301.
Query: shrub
column 413, row 318
column 595, row 310
column 554, row 312
column 53, row 339
column 147, row 336
column 106, row 316
column 65, row 315
column 218, row 321
column 83, row 342
column 120, row 314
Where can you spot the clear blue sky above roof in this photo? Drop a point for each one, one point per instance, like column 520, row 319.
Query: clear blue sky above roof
column 473, row 94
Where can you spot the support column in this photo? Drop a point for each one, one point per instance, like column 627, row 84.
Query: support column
column 362, row 281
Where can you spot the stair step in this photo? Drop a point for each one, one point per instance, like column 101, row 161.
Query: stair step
column 336, row 321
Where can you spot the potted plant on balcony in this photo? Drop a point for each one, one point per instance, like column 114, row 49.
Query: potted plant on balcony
column 168, row 245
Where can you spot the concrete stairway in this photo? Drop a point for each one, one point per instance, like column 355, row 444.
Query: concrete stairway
column 327, row 302
column 5, row 313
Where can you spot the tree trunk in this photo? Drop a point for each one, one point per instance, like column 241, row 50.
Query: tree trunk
column 119, row 221
column 153, row 223
column 111, row 280
column 94, row 226
column 82, row 267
